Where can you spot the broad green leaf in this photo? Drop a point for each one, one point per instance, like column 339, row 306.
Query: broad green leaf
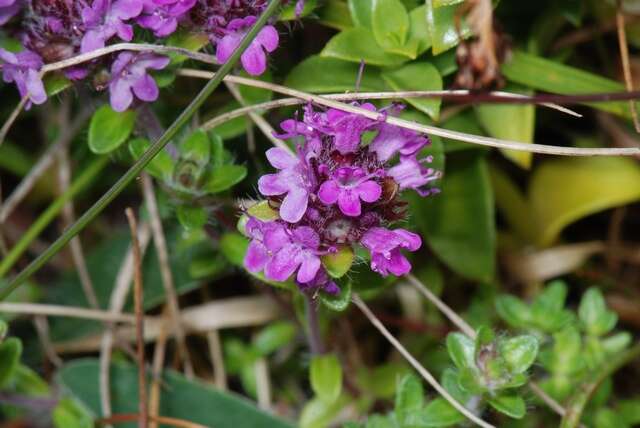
column 273, row 337
column 224, row 177
column 519, row 352
column 616, row 343
column 27, row 382
column 109, row 129
column 361, row 12
column 189, row 400
column 418, row 29
column 325, row 375
column 335, row 14
column 234, row 246
column 409, row 400
column 69, row 414
column 547, row 310
column 458, row 224
column 417, row 76
column 191, row 217
column 461, row 350
column 189, row 40
column 196, row 147
column 321, row 74
column 442, row 27
column 449, row 381
column 441, row 3
column 10, row 351
column 566, row 190
column 338, row 302
column 512, row 204
column 390, row 25
column 263, row 211
column 382, row 381
column 513, row 311
column 596, row 319
column 551, row 76
column 439, row 413
column 511, row 405
column 319, row 414
column 566, row 357
column 254, row 95
column 234, row 127
column 357, row 44
column 339, row 263
column 161, row 166
column 55, row 83
column 515, row 122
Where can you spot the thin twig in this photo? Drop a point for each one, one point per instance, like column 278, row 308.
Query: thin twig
column 463, row 326
column 139, row 311
column 416, row 365
column 132, row 417
column 42, row 328
column 217, row 360
column 427, row 129
column 159, row 353
column 165, row 271
column 263, row 383
column 68, row 214
column 12, row 118
column 65, row 311
column 626, row 67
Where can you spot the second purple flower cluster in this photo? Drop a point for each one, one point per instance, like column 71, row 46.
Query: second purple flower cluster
column 337, row 191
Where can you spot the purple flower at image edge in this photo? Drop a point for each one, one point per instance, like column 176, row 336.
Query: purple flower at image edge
column 8, row 8
column 254, row 58
column 22, row 68
column 105, row 19
column 129, row 76
column 292, row 180
column 163, row 16
column 385, row 245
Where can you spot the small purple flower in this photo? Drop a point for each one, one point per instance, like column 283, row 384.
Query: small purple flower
column 321, row 281
column 254, row 59
column 347, row 187
column 293, row 179
column 347, row 128
column 129, row 76
column 23, row 69
column 8, row 8
column 384, row 246
column 162, row 16
column 280, row 251
column 105, row 19
column 393, row 139
column 410, row 173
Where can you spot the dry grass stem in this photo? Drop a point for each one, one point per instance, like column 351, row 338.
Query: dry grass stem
column 42, row 328
column 159, row 353
column 626, row 67
column 11, row 119
column 217, row 359
column 263, row 384
column 132, row 417
column 65, row 311
column 165, row 271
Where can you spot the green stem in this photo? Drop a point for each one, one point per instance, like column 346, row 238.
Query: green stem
column 581, row 398
column 137, row 167
column 51, row 212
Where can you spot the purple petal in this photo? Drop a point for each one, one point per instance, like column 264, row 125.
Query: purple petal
column 398, row 264
column 281, row 158
column 124, row 31
column 268, row 38
column 35, row 87
column 145, row 88
column 92, row 41
column 276, row 238
column 294, row 205
column 329, row 192
column 369, row 191
column 410, row 240
column 226, row 46
column 308, row 268
column 307, row 237
column 126, row 9
column 256, row 257
column 254, row 60
column 283, row 264
column 272, row 185
column 120, row 95
column 349, row 202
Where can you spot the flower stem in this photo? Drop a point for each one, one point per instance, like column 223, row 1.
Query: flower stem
column 313, row 326
column 137, row 167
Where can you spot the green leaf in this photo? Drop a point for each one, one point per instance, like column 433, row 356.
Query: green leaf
column 234, row 246
column 390, row 24
column 339, row 263
column 512, row 204
column 548, row 311
column 319, row 414
column 224, row 177
column 188, row 40
column 551, row 76
column 566, row 357
column 273, row 337
column 181, row 398
column 335, row 14
column 326, row 377
column 595, row 318
column 417, row 76
column 616, row 343
column 55, row 83
column 196, row 147
column 461, row 350
column 10, row 351
column 439, row 413
column 419, row 30
column 519, row 352
column 511, row 405
column 161, row 166
column 321, row 74
column 515, row 122
column 409, row 400
column 109, row 129
column 69, row 414
column 361, row 12
column 442, row 27
column 357, row 44
column 513, row 311
column 566, row 190
column 458, row 224
column 263, row 211
column 338, row 302
column 191, row 217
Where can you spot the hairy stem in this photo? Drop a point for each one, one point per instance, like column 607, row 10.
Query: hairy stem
column 313, row 325
column 141, row 163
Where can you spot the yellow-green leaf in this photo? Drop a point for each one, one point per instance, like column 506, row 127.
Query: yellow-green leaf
column 339, row 263
column 357, row 44
column 417, row 76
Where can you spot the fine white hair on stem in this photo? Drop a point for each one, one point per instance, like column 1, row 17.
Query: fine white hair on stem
column 425, row 129
column 416, row 365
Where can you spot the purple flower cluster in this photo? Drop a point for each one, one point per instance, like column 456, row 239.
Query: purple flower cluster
column 338, row 191
column 55, row 30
